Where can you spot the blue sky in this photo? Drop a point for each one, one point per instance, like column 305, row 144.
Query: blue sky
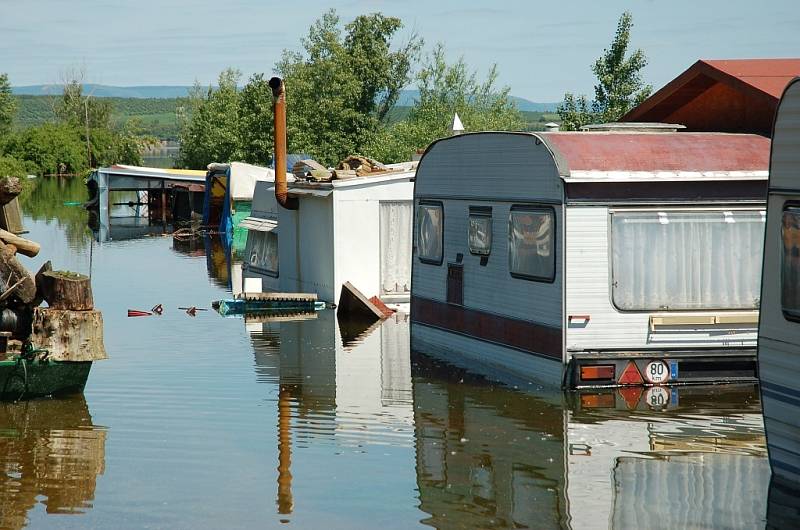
column 542, row 49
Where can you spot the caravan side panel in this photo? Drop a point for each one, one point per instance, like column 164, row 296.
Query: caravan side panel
column 504, row 323
column 779, row 334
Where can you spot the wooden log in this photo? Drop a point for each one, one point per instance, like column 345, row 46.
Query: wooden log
column 11, row 272
column 24, row 246
column 69, row 335
column 67, row 290
column 10, row 187
column 39, row 280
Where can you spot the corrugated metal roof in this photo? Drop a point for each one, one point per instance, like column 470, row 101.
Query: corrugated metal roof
column 673, row 156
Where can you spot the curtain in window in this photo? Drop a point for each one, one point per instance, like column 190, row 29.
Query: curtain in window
column 530, row 243
column 396, row 246
column 264, row 251
column 686, row 260
column 429, row 232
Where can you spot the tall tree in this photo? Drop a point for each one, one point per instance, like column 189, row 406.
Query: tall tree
column 342, row 85
column 209, row 119
column 444, row 90
column 619, row 85
column 8, row 106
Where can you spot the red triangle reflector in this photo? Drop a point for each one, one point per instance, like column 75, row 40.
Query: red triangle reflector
column 631, row 395
column 630, row 375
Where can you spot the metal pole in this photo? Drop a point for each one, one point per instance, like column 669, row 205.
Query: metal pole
column 88, row 145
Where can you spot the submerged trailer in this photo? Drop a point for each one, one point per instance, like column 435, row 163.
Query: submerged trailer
column 779, row 331
column 592, row 258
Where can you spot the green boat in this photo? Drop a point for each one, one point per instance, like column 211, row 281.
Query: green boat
column 21, row 378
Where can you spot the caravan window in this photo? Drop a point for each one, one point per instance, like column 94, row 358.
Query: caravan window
column 790, row 269
column 480, row 230
column 430, row 218
column 686, row 260
column 531, row 243
column 264, row 251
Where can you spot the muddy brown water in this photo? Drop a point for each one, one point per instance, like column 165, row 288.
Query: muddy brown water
column 212, row 422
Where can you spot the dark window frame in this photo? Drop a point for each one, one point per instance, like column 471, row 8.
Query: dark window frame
column 484, row 212
column 790, row 316
column 535, row 208
column 429, row 261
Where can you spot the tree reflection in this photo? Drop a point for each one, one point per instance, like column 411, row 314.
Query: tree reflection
column 51, row 453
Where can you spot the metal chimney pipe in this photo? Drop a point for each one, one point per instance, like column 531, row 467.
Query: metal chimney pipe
column 279, row 114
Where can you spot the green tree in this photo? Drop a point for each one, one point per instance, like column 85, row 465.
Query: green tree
column 341, row 87
column 74, row 107
column 209, row 119
column 255, row 124
column 50, row 148
column 444, row 90
column 619, row 86
column 8, row 106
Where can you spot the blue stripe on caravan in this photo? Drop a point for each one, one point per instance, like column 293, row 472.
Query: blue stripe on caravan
column 775, row 391
column 788, row 467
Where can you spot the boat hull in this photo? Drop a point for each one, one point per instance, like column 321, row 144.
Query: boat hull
column 29, row 379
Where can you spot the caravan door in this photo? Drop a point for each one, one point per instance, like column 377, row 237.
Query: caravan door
column 396, row 230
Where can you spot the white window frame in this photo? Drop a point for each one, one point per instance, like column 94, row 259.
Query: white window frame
column 670, row 209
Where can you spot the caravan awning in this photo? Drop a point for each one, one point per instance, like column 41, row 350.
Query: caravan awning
column 259, row 224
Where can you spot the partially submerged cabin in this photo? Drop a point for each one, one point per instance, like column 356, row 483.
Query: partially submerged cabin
column 779, row 332
column 591, row 258
column 229, row 198
column 355, row 229
column 160, row 194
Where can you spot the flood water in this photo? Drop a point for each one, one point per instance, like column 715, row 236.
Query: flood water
column 211, row 422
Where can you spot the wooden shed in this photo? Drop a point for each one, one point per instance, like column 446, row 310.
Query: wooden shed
column 737, row 96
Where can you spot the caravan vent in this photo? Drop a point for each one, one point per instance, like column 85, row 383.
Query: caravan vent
column 627, row 127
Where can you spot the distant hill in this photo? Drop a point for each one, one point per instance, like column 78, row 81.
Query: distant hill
column 106, row 91
column 407, row 97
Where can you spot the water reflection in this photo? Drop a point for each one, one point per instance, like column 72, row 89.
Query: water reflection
column 51, row 454
column 494, row 457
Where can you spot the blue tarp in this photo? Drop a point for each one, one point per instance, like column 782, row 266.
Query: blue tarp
column 291, row 160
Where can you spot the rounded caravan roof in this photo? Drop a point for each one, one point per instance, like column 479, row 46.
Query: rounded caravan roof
column 785, row 156
column 638, row 156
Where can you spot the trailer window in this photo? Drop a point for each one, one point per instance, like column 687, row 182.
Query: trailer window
column 686, row 260
column 264, row 251
column 531, row 253
column 430, row 218
column 790, row 270
column 480, row 230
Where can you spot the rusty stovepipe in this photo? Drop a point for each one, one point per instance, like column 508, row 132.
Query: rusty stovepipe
column 279, row 114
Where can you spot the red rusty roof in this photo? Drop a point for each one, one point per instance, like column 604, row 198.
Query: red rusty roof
column 737, row 95
column 659, row 152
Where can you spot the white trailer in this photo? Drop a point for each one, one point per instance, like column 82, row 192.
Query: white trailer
column 591, row 258
column 779, row 331
column 356, row 230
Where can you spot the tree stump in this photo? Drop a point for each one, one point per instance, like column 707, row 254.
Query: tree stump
column 12, row 272
column 69, row 335
column 10, row 187
column 67, row 290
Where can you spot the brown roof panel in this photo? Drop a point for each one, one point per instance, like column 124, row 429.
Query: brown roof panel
column 660, row 152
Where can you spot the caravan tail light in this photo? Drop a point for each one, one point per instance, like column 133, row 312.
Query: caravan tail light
column 630, row 375
column 598, row 371
column 598, row 401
